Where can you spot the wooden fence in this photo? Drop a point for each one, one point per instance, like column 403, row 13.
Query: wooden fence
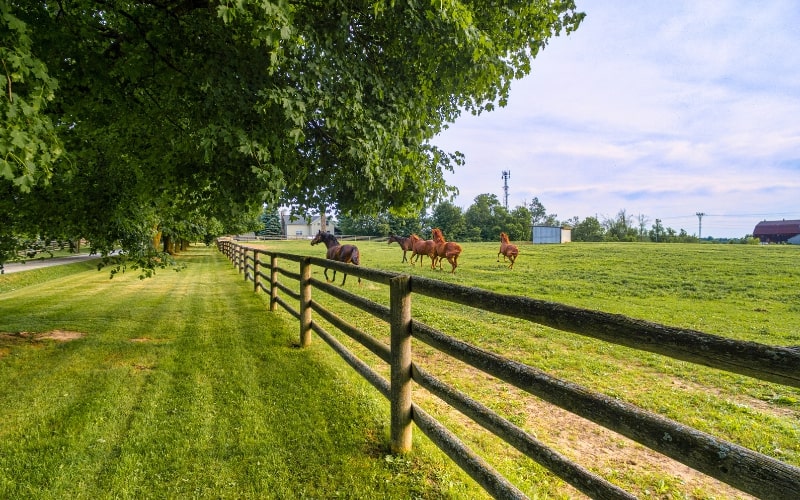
column 742, row 468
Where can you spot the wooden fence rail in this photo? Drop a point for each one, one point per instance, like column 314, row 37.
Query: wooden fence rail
column 742, row 468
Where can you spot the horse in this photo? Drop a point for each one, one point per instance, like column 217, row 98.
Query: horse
column 338, row 252
column 420, row 247
column 405, row 243
column 508, row 250
column 449, row 250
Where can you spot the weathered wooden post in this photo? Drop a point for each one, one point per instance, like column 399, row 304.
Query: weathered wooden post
column 305, row 302
column 273, row 283
column 400, row 391
column 256, row 277
column 240, row 258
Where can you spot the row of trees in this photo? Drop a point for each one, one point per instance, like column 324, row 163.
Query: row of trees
column 125, row 120
column 487, row 217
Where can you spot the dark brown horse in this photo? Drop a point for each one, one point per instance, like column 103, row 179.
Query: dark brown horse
column 405, row 243
column 507, row 250
column 338, row 252
column 449, row 250
column 420, row 247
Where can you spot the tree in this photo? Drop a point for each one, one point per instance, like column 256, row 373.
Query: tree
column 488, row 215
column 201, row 110
column 519, row 227
column 643, row 220
column 589, row 229
column 271, row 223
column 405, row 226
column 450, row 219
column 29, row 147
column 538, row 212
column 620, row 228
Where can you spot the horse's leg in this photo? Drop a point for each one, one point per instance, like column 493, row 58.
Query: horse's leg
column 343, row 279
column 404, row 256
column 326, row 275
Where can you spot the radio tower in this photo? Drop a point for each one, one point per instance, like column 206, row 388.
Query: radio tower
column 506, row 177
column 700, row 225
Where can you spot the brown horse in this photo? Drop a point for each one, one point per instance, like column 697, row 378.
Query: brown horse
column 338, row 252
column 405, row 243
column 449, row 250
column 508, row 250
column 420, row 247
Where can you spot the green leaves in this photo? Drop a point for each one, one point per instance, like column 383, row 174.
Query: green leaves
column 174, row 110
column 28, row 144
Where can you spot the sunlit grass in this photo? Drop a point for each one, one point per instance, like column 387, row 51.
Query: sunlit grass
column 184, row 386
column 737, row 291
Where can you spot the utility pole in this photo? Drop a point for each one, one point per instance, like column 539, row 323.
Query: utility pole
column 506, row 177
column 700, row 228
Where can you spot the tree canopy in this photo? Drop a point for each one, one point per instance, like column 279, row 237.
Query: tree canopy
column 126, row 115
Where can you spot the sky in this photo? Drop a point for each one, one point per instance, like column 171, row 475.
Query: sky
column 663, row 109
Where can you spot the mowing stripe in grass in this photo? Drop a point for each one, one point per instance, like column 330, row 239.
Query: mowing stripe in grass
column 185, row 386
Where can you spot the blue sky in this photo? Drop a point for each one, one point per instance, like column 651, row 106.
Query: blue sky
column 660, row 108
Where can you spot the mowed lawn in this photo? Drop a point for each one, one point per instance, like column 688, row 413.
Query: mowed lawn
column 184, row 386
column 743, row 292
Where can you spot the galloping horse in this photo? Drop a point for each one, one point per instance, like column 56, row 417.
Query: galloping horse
column 508, row 250
column 420, row 247
column 449, row 250
column 405, row 243
column 336, row 251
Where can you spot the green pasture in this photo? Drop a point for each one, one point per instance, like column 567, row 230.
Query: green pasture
column 184, row 386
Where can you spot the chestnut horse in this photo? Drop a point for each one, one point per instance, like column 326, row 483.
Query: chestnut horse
column 422, row 247
column 405, row 243
column 449, row 250
column 508, row 250
column 336, row 251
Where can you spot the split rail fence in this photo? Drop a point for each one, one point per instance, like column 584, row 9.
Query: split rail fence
column 740, row 467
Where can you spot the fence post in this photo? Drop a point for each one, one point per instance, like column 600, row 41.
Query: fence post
column 240, row 260
column 256, row 277
column 305, row 302
column 400, row 391
column 273, row 283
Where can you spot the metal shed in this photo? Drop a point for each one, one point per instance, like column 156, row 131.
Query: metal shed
column 551, row 234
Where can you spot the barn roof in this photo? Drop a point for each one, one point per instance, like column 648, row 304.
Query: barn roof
column 768, row 227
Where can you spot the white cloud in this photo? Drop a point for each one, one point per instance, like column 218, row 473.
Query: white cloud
column 660, row 108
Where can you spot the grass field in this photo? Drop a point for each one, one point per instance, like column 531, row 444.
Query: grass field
column 737, row 291
column 183, row 386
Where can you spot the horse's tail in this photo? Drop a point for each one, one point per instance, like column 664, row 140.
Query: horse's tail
column 453, row 251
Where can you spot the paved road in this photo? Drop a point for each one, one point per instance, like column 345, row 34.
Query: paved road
column 35, row 263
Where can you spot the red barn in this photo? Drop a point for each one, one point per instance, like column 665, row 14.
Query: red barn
column 778, row 231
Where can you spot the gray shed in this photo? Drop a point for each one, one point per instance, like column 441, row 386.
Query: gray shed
column 551, row 234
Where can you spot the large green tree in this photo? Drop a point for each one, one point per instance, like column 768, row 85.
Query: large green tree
column 134, row 114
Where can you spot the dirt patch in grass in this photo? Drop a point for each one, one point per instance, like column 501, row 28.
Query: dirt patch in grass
column 9, row 340
column 593, row 446
column 59, row 335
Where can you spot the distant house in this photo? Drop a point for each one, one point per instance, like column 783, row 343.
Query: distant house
column 296, row 227
column 778, row 231
column 551, row 234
